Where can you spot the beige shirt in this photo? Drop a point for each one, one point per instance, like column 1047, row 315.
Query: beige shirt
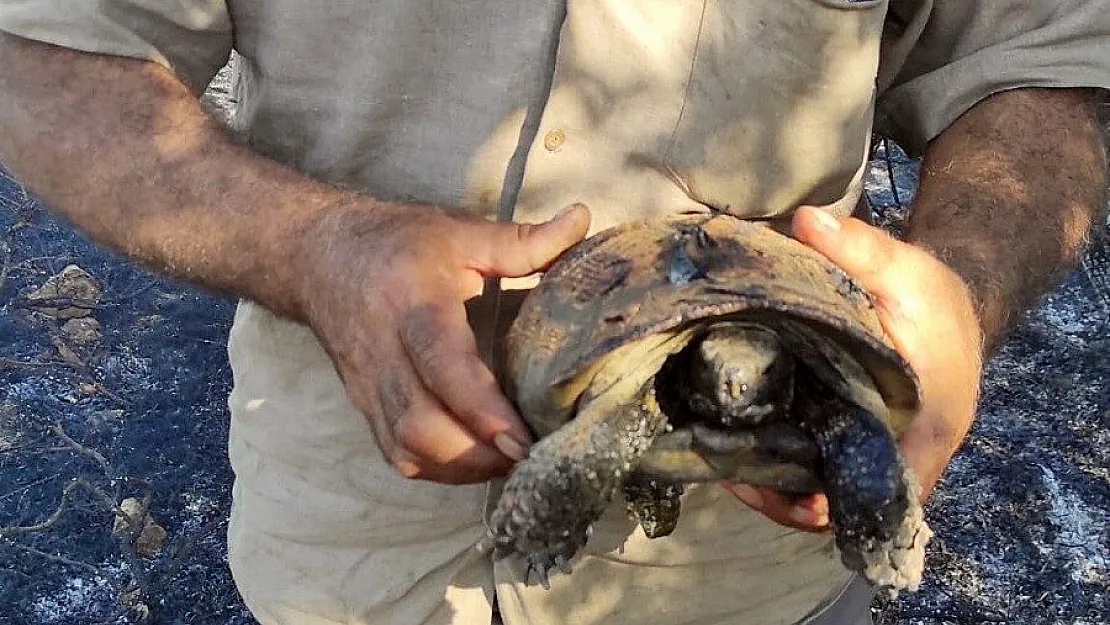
column 633, row 107
column 752, row 107
column 514, row 109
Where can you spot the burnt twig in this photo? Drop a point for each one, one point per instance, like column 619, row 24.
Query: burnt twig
column 60, row 432
column 59, row 559
column 51, row 520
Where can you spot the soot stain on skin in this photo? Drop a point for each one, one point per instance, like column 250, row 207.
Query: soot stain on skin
column 395, row 397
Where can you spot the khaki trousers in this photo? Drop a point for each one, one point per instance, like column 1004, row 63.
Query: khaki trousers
column 323, row 531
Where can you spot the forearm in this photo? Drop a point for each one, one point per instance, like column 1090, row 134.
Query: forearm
column 1008, row 195
column 122, row 149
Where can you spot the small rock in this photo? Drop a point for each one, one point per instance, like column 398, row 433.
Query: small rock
column 150, row 539
column 133, row 598
column 82, row 331
column 66, row 353
column 69, row 294
column 77, row 339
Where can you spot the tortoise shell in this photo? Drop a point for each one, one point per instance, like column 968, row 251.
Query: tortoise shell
column 668, row 276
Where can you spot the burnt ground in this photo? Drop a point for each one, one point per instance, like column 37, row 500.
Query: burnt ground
column 143, row 402
column 132, row 406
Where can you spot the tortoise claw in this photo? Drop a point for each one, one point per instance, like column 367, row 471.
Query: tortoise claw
column 541, row 564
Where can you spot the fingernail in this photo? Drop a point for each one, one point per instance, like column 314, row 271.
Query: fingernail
column 801, row 516
column 568, row 210
column 804, row 516
column 509, row 446
column 746, row 493
column 826, row 220
column 407, row 469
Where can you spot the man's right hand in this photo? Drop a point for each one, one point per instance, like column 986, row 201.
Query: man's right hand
column 384, row 287
column 123, row 150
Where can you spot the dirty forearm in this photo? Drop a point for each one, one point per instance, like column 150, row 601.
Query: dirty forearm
column 1008, row 194
column 123, row 150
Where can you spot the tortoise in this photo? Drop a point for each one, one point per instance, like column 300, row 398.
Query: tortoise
column 698, row 347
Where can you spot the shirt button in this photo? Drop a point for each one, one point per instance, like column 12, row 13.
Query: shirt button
column 554, row 140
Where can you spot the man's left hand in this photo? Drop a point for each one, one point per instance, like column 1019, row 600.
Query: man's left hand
column 928, row 313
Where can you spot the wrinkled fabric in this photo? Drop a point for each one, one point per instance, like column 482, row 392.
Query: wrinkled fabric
column 510, row 109
column 940, row 59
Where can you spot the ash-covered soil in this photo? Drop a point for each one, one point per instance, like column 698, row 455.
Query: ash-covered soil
column 113, row 425
column 133, row 369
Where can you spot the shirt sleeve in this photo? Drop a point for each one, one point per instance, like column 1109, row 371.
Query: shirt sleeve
column 946, row 56
column 193, row 38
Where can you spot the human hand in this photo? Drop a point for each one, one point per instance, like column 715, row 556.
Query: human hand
column 928, row 313
column 384, row 287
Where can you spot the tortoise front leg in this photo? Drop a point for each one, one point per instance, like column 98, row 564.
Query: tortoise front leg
column 562, row 488
column 873, row 495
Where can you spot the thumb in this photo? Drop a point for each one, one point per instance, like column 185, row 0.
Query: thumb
column 513, row 250
column 864, row 252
